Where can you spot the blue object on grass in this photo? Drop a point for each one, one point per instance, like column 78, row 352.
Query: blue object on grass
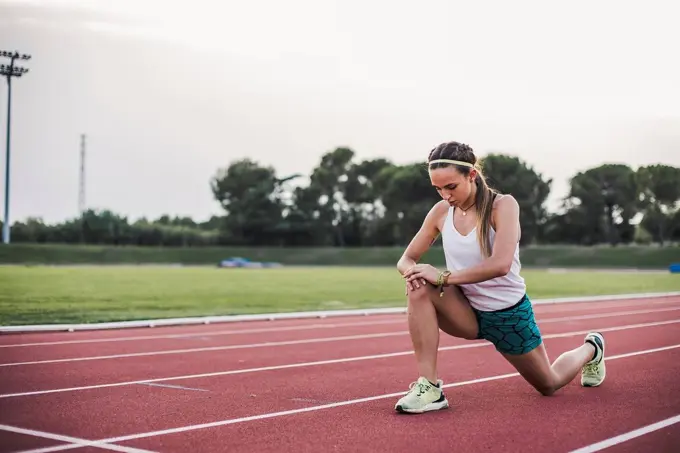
column 674, row 268
column 244, row 262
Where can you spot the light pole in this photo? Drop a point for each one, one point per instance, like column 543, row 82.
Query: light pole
column 9, row 72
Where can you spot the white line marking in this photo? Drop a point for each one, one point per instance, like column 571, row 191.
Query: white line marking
column 213, row 348
column 567, row 308
column 208, row 334
column 606, row 315
column 476, row 344
column 323, row 406
column 314, row 340
column 179, row 387
column 297, row 315
column 628, row 436
column 605, row 298
column 265, row 330
column 74, row 442
column 304, row 400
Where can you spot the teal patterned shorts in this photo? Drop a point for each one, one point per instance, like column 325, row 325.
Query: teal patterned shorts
column 512, row 330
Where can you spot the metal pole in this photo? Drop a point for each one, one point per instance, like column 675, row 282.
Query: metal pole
column 9, row 71
column 5, row 225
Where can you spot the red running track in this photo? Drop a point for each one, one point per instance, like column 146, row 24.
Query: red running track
column 331, row 384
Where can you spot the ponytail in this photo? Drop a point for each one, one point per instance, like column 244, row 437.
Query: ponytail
column 484, row 201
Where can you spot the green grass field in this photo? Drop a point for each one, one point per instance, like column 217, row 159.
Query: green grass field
column 622, row 256
column 32, row 295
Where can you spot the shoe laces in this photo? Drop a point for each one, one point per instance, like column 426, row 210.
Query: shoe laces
column 421, row 387
column 591, row 369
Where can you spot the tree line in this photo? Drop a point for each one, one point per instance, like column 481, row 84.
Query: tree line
column 346, row 202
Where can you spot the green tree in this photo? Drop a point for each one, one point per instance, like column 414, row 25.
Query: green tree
column 362, row 200
column 573, row 225
column 659, row 195
column 509, row 174
column 101, row 227
column 674, row 230
column 407, row 195
column 252, row 197
column 328, row 180
column 607, row 195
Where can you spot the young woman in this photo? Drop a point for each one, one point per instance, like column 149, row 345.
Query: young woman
column 481, row 294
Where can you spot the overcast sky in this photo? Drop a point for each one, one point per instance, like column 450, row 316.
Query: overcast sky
column 169, row 91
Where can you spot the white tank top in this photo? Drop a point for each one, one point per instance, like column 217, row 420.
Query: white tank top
column 463, row 251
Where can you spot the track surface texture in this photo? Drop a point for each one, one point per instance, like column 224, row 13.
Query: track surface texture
column 326, row 385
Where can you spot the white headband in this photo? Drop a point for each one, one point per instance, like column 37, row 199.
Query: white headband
column 449, row 161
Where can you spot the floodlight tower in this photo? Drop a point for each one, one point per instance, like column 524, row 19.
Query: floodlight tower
column 9, row 71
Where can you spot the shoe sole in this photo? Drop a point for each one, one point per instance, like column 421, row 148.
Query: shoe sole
column 428, row 408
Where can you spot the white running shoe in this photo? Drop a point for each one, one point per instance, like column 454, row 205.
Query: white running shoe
column 422, row 397
column 594, row 372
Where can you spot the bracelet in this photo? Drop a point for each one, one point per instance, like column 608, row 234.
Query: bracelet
column 441, row 279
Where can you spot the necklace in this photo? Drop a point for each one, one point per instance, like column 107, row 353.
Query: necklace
column 464, row 211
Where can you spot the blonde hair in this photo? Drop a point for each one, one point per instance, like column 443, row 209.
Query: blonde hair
column 461, row 156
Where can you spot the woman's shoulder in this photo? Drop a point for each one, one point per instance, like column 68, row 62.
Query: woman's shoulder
column 441, row 207
column 504, row 202
column 505, row 208
column 438, row 213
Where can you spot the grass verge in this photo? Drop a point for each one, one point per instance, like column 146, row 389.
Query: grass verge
column 44, row 295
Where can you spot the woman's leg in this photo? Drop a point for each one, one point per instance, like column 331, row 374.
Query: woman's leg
column 427, row 313
column 517, row 337
column 588, row 358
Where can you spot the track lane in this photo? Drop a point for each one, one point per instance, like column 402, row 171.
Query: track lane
column 665, row 440
column 42, row 377
column 12, row 442
column 89, row 351
column 189, row 345
column 500, row 415
column 48, row 339
column 138, row 408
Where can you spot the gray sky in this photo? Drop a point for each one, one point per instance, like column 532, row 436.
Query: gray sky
column 169, row 91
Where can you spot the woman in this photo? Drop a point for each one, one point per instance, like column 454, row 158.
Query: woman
column 481, row 295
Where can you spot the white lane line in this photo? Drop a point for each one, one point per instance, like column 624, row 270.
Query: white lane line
column 606, row 315
column 312, row 340
column 628, row 436
column 74, row 442
column 475, row 344
column 233, row 421
column 212, row 348
column 209, row 334
column 565, row 308
column 178, row 387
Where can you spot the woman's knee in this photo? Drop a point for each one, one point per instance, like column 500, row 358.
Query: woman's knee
column 545, row 384
column 535, row 369
column 546, row 389
column 419, row 296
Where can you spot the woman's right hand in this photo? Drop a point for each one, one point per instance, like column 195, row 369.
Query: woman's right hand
column 415, row 284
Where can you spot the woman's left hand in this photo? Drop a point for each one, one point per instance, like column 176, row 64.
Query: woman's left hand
column 422, row 271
